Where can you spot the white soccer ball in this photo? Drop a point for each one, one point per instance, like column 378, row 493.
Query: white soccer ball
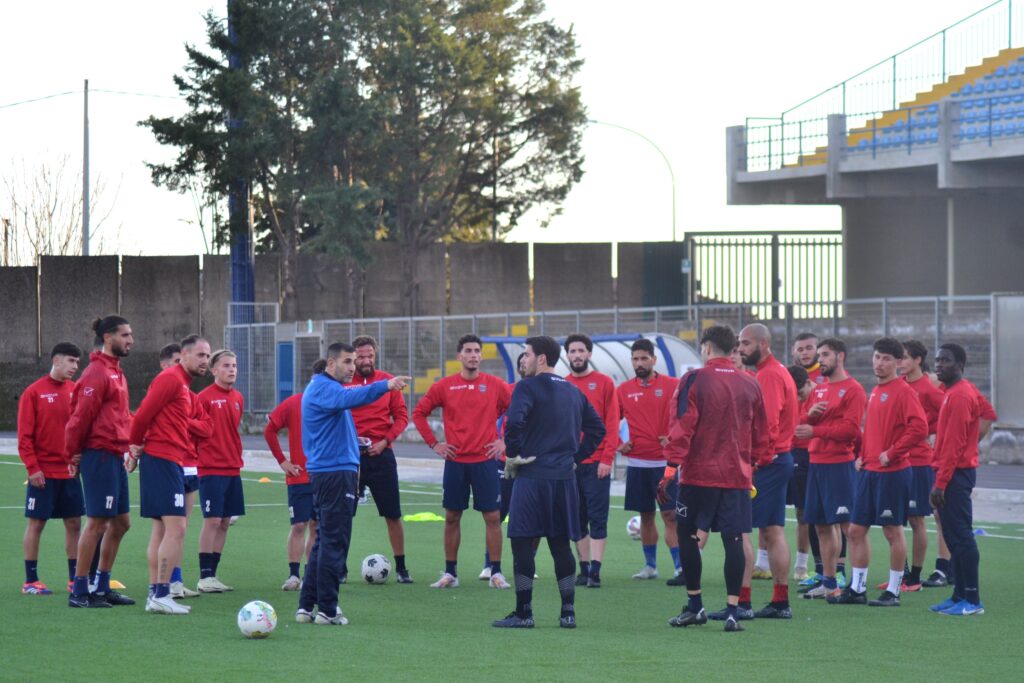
column 376, row 569
column 257, row 619
column 633, row 527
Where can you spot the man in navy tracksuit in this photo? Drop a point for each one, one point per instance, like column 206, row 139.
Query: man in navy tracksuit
column 332, row 460
column 542, row 443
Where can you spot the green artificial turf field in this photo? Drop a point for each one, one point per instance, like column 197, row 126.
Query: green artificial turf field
column 411, row 632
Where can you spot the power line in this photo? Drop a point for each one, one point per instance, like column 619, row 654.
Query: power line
column 39, row 99
column 92, row 90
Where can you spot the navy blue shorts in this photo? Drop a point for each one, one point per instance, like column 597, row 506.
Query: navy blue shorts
column 922, row 483
column 221, row 496
column 59, row 499
column 191, row 483
column 642, row 490
column 829, row 493
column 768, row 508
column 104, row 483
column 796, row 492
column 595, row 499
column 301, row 507
column 544, row 507
column 707, row 509
column 161, row 488
column 380, row 474
column 881, row 498
column 480, row 477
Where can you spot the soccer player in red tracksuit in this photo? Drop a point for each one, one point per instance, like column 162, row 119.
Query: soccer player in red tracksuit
column 717, row 432
column 645, row 402
column 382, row 422
column 471, row 402
column 301, row 512
column 220, row 464
column 96, row 439
column 805, row 355
column 921, row 457
column 53, row 490
column 160, row 441
column 593, row 475
column 772, row 475
column 833, row 424
column 956, row 464
column 895, row 424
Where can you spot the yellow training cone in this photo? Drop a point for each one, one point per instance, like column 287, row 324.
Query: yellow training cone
column 264, row 480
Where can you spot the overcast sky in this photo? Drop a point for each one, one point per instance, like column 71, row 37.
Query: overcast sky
column 678, row 72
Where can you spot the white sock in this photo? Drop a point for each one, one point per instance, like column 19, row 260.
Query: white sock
column 895, row 579
column 860, row 580
column 762, row 560
column 801, row 560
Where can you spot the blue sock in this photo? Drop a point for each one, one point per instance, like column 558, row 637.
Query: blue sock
column 487, row 559
column 80, row 586
column 675, row 557
column 830, row 582
column 152, row 590
column 841, row 568
column 176, row 575
column 162, row 590
column 31, row 573
column 651, row 555
column 819, row 567
column 102, row 582
column 730, row 611
column 584, row 568
column 695, row 603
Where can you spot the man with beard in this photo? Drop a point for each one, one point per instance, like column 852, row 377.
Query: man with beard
column 645, row 403
column 96, row 439
column 161, row 441
column 773, row 472
column 381, row 421
column 833, row 426
column 593, row 475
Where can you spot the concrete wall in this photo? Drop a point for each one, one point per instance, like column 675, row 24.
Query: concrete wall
column 19, row 300
column 489, row 278
column 385, row 281
column 213, row 307
column 572, row 276
column 74, row 291
column 989, row 239
column 895, row 247
column 629, row 285
column 160, row 297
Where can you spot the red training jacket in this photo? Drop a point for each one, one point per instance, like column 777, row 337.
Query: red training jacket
column 100, row 418
column 895, row 423
column 718, row 429
column 837, row 430
column 288, row 415
column 647, row 409
column 221, row 453
column 956, row 438
column 600, row 391
column 814, row 374
column 200, row 426
column 470, row 408
column 781, row 405
column 385, row 418
column 930, row 397
column 161, row 423
column 43, row 412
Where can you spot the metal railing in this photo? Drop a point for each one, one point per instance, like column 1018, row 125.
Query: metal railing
column 424, row 347
column 885, row 85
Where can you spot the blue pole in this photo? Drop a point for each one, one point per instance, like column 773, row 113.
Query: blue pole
column 243, row 286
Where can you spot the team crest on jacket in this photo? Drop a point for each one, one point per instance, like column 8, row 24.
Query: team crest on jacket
column 658, row 393
column 885, row 397
column 592, row 386
column 842, row 392
column 483, row 388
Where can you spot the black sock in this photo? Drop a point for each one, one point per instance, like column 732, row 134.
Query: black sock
column 450, row 567
column 915, row 575
column 205, row 565
column 694, row 603
column 495, row 567
column 293, row 569
column 31, row 573
column 595, row 568
column 584, row 568
column 72, row 563
column 523, row 567
column 95, row 566
column 216, row 562
column 400, row 564
column 565, row 572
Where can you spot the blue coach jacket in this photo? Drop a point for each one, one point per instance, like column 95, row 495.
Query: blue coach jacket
column 328, row 431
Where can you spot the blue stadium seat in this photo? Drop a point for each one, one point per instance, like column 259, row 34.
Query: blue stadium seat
column 967, row 104
column 1012, row 70
column 920, row 138
column 933, row 121
column 967, row 89
column 1000, row 71
column 1015, row 84
column 1002, row 85
column 1018, row 98
column 990, row 86
column 997, row 129
column 933, row 109
column 933, row 137
column 970, row 133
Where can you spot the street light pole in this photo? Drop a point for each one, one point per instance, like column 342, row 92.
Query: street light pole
column 664, row 158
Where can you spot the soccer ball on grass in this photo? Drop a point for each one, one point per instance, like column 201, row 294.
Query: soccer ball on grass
column 376, row 569
column 257, row 619
column 633, row 527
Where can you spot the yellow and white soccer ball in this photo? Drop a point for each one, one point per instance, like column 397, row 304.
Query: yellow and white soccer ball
column 257, row 619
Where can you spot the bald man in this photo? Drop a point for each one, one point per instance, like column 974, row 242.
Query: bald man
column 773, row 472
